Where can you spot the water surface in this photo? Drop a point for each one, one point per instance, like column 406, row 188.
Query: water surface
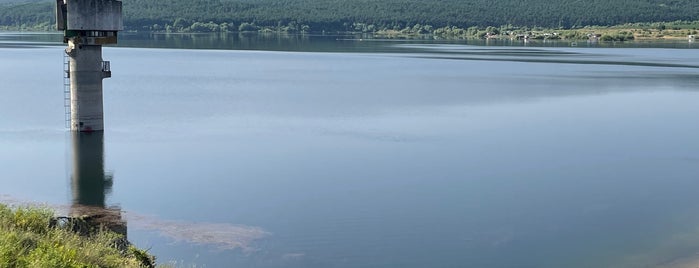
column 418, row 154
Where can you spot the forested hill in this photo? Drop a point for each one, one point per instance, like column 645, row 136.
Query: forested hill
column 344, row 15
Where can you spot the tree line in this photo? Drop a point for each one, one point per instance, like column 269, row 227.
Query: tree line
column 365, row 15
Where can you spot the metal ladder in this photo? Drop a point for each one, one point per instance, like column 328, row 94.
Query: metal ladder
column 66, row 88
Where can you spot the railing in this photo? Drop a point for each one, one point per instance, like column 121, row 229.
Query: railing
column 106, row 71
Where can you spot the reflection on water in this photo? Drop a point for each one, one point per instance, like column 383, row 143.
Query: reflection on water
column 541, row 55
column 314, row 42
column 91, row 184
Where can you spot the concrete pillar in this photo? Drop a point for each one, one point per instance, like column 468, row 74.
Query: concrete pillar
column 86, row 74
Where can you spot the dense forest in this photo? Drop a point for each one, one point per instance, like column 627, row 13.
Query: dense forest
column 363, row 15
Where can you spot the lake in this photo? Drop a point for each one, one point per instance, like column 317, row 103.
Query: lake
column 331, row 151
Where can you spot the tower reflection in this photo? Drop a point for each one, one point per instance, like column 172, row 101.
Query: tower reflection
column 90, row 184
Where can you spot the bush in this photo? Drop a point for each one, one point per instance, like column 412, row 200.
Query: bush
column 26, row 240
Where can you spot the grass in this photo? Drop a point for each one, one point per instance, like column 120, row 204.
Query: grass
column 27, row 240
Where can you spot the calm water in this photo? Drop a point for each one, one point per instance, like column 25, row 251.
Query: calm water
column 399, row 154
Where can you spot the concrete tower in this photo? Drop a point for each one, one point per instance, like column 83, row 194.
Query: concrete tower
column 87, row 25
